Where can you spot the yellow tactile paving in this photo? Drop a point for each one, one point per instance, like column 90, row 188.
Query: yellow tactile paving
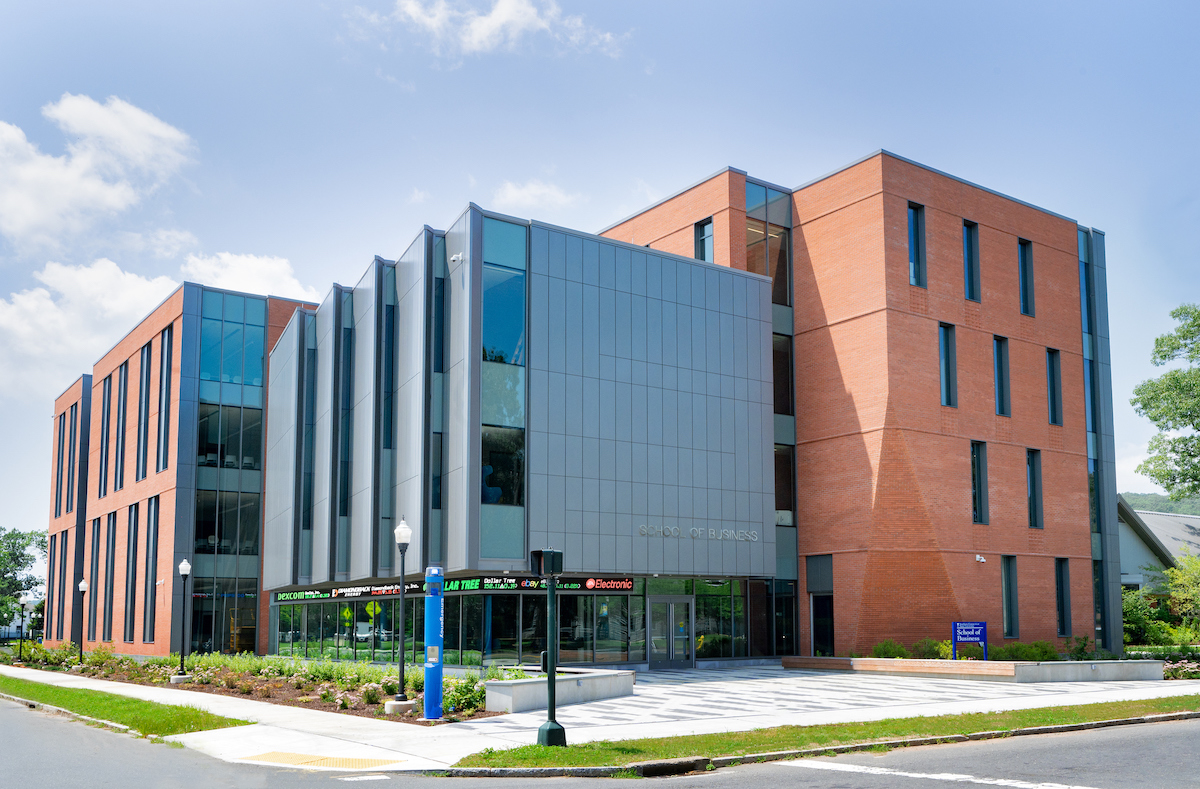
column 311, row 760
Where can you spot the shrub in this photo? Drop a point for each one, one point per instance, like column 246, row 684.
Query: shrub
column 889, row 649
column 1081, row 649
column 971, row 652
column 928, row 649
column 414, row 679
column 344, row 700
column 1038, row 651
column 371, row 693
column 325, row 692
column 1183, row 669
column 1143, row 624
column 462, row 693
column 390, row 685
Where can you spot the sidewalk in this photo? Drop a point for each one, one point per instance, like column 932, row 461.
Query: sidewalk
column 664, row 704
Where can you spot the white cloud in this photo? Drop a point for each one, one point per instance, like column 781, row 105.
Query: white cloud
column 51, row 334
column 251, row 273
column 1129, row 457
column 163, row 243
column 117, row 155
column 417, row 197
column 531, row 195
column 460, row 27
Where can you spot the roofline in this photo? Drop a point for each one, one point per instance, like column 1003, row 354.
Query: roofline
column 1135, row 522
column 934, row 170
column 77, row 380
column 673, row 195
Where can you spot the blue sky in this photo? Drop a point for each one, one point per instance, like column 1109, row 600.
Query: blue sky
column 280, row 146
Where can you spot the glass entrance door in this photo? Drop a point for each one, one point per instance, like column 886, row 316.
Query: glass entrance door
column 671, row 628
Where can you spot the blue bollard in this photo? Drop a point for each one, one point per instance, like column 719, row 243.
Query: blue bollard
column 435, row 618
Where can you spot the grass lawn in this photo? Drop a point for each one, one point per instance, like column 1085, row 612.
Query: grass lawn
column 786, row 738
column 146, row 717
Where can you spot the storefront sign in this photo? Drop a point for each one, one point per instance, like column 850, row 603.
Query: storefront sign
column 483, row 583
column 655, row 530
column 345, row 592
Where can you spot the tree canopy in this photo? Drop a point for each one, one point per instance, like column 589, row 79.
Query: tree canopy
column 1172, row 403
column 18, row 552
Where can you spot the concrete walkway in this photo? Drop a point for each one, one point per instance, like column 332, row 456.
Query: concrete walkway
column 663, row 704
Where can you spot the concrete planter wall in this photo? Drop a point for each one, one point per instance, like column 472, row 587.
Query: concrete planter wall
column 579, row 685
column 990, row 670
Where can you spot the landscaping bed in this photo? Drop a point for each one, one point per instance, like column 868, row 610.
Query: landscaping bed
column 342, row 687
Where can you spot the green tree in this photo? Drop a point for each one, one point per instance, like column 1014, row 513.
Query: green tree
column 1183, row 584
column 1172, row 403
column 18, row 552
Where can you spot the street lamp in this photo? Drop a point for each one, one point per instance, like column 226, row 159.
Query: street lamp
column 26, row 607
column 185, row 569
column 403, row 538
column 83, row 587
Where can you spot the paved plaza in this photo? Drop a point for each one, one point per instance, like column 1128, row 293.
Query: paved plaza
column 669, row 703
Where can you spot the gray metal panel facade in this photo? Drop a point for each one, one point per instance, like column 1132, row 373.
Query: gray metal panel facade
column 461, row 405
column 323, row 449
column 640, row 424
column 282, row 473
column 362, row 449
column 409, row 489
column 186, row 429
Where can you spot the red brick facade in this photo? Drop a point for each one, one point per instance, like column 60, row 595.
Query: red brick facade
column 883, row 470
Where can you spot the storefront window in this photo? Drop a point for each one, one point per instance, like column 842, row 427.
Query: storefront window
column 785, row 617
column 612, row 629
column 759, row 605
column 500, row 628
column 637, row 625
column 575, row 641
column 450, row 641
column 312, row 636
column 533, row 627
column 714, row 620
column 472, row 631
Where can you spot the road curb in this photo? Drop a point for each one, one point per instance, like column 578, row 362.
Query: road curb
column 688, row 764
column 37, row 705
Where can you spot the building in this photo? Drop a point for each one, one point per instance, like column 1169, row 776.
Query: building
column 1153, row 541
column 157, row 457
column 758, row 421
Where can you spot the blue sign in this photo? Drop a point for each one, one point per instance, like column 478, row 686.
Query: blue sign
column 969, row 633
column 435, row 612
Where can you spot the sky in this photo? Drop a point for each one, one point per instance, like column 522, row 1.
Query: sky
column 278, row 146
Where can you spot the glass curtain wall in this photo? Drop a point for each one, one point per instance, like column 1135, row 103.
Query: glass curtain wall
column 769, row 238
column 502, row 392
column 229, row 473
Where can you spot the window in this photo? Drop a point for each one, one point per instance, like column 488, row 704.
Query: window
column 73, row 439
column 48, row 609
column 1033, row 486
column 164, row 399
column 1025, row 275
column 704, row 240
column 916, row 245
column 768, row 238
column 1054, row 386
column 781, row 356
column 1062, row 588
column 150, row 594
column 95, row 573
column 503, row 454
column 970, row 234
column 785, row 481
column 340, row 553
column 1000, row 365
column 105, row 415
column 503, row 315
column 948, row 365
column 119, row 438
column 58, row 480
column 979, row 498
column 110, row 566
column 63, row 589
column 1008, row 590
column 143, row 425
column 131, row 539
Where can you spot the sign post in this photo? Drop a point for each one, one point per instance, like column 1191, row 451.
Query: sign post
column 969, row 633
column 548, row 564
column 435, row 606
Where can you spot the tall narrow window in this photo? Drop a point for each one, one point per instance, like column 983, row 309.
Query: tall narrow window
column 341, row 546
column 970, row 233
column 63, row 590
column 1033, row 486
column 1025, row 275
column 131, row 541
column 119, row 435
column 110, row 566
column 95, row 573
column 1008, row 590
column 785, row 485
column 73, row 440
column 58, row 479
column 1054, row 386
column 143, row 427
column 781, row 355
column 164, row 399
column 979, row 497
column 948, row 364
column 150, row 593
column 768, row 238
column 105, row 417
column 48, row 609
column 1000, row 364
column 704, row 240
column 1062, row 588
column 916, row 245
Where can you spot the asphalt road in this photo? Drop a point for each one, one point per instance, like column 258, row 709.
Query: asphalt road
column 40, row 749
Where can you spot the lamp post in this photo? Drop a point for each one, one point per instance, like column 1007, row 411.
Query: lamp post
column 185, row 569
column 548, row 564
column 26, row 607
column 403, row 538
column 83, row 587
